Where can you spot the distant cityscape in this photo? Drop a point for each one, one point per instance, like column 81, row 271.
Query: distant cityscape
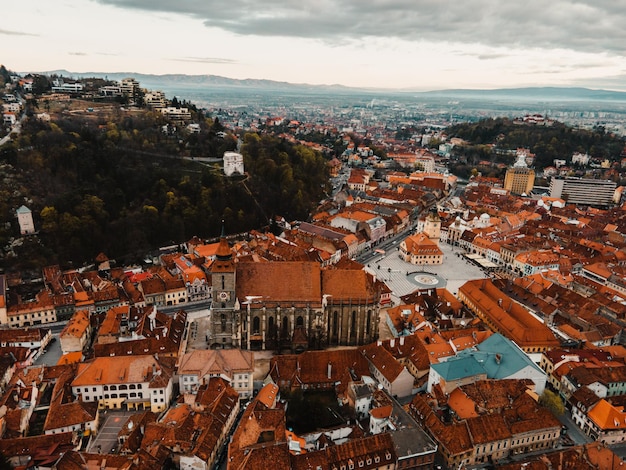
column 417, row 319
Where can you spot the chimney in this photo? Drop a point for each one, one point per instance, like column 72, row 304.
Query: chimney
column 329, row 369
column 392, row 342
column 498, row 358
column 401, row 340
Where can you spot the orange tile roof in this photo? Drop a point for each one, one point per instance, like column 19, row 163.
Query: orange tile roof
column 383, row 361
column 488, row 428
column 420, row 244
column 119, row 370
column 347, row 284
column 312, row 367
column 608, row 417
column 600, row 269
column 381, row 412
column 268, row 395
column 463, row 406
column 78, row 324
column 216, row 361
column 280, row 281
column 508, row 317
column 70, row 358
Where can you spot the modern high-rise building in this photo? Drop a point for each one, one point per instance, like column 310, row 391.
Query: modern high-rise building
column 584, row 191
column 520, row 179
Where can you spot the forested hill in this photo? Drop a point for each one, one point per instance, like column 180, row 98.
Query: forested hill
column 547, row 142
column 119, row 186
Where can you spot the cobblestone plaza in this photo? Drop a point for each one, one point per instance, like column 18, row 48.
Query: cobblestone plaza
column 404, row 278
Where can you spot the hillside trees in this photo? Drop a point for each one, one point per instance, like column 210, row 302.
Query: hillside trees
column 287, row 179
column 557, row 141
column 120, row 186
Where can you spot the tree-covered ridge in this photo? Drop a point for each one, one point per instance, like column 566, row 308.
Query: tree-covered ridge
column 556, row 141
column 121, row 186
column 287, row 179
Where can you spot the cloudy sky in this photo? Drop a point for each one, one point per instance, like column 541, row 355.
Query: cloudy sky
column 402, row 44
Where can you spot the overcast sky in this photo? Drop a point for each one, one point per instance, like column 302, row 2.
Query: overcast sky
column 402, row 44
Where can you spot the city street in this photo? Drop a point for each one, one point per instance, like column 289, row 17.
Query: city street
column 573, row 431
column 52, row 353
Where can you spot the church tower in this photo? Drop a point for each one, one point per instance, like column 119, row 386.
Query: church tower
column 432, row 225
column 224, row 325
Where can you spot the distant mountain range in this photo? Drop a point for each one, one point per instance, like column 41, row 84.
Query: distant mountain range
column 182, row 80
column 535, row 93
column 548, row 94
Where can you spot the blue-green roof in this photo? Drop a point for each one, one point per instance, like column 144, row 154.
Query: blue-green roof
column 458, row 368
column 499, row 357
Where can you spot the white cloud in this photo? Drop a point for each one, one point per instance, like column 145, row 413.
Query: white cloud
column 419, row 44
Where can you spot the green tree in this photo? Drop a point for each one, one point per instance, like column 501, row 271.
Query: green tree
column 49, row 219
column 552, row 401
column 217, row 125
column 41, row 84
column 5, row 76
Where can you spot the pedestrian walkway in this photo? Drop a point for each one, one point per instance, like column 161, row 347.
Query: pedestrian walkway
column 403, row 278
column 106, row 439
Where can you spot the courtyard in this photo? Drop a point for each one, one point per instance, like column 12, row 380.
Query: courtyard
column 309, row 411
